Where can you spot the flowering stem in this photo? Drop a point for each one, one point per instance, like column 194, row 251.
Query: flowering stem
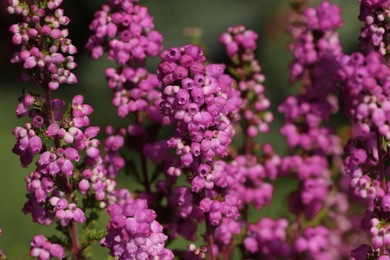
column 381, row 161
column 248, row 145
column 226, row 252
column 76, row 249
column 144, row 172
column 49, row 106
column 144, row 166
column 209, row 237
column 298, row 222
column 75, row 245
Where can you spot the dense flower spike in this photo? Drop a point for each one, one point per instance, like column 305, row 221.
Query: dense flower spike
column 125, row 30
column 200, row 101
column 59, row 135
column 45, row 49
column 316, row 51
column 314, row 146
column 365, row 80
column 195, row 98
column 133, row 232
column 318, row 65
column 58, row 163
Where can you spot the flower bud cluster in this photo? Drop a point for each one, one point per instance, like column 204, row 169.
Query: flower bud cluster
column 226, row 230
column 113, row 161
column 44, row 250
column 218, row 206
column 240, row 43
column 245, row 178
column 182, row 222
column 45, row 49
column 314, row 176
column 61, row 137
column 342, row 223
column 361, row 164
column 304, row 127
column 268, row 238
column 240, row 46
column 135, row 90
column 314, row 243
column 380, row 233
column 133, row 232
column 127, row 30
column 68, row 159
column 375, row 33
column 365, row 89
column 194, row 98
column 65, row 212
column 195, row 252
column 315, row 40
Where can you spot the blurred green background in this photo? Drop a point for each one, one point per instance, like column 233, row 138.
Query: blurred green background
column 266, row 17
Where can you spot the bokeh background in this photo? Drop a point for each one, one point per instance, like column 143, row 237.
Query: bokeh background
column 266, row 17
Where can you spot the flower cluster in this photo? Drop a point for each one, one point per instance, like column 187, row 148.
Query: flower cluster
column 375, row 33
column 240, row 43
column 240, row 46
column 68, row 160
column 44, row 250
column 133, row 232
column 135, row 91
column 361, row 166
column 45, row 49
column 365, row 88
column 315, row 40
column 127, row 29
column 269, row 238
column 245, row 178
column 314, row 243
column 195, row 98
column 317, row 67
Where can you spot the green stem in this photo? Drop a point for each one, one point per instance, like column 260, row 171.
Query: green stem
column 209, row 237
